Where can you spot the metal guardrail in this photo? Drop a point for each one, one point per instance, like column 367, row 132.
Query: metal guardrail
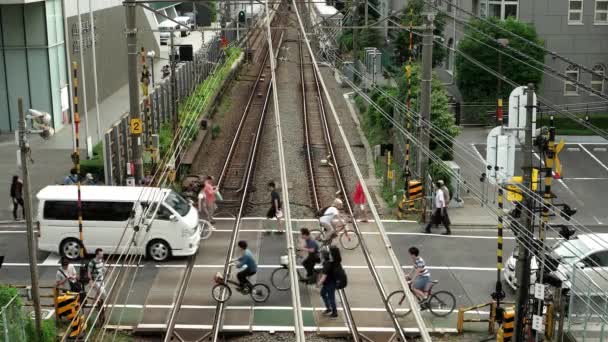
column 117, row 145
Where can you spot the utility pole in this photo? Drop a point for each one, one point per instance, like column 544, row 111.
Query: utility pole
column 523, row 258
column 425, row 103
column 499, row 111
column 355, row 32
column 135, row 115
column 31, row 239
column 175, row 119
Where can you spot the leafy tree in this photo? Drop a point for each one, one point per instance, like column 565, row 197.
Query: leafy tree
column 367, row 37
column 476, row 84
column 401, row 43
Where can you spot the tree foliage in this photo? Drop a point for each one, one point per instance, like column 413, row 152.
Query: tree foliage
column 413, row 14
column 379, row 127
column 476, row 84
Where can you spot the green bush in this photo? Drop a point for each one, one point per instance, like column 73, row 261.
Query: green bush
column 48, row 326
column 94, row 165
column 49, row 331
column 215, row 131
column 6, row 294
column 567, row 126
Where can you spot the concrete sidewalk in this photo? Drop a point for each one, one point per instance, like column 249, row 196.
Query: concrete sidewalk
column 52, row 161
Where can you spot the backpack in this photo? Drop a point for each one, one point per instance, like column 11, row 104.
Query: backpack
column 340, row 275
column 321, row 212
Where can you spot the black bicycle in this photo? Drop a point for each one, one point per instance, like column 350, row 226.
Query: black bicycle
column 440, row 303
column 348, row 238
column 221, row 291
column 280, row 276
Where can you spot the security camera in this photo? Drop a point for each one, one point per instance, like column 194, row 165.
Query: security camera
column 41, row 123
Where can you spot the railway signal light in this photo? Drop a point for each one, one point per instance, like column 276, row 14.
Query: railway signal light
column 241, row 16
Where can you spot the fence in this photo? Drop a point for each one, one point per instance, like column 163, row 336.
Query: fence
column 12, row 322
column 117, row 139
column 588, row 306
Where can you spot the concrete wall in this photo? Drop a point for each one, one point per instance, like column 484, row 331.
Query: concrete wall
column 586, row 44
column 111, row 48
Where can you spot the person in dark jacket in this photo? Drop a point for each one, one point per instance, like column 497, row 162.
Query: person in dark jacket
column 327, row 281
column 17, row 196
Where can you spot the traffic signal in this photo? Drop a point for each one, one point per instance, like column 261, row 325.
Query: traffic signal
column 241, row 16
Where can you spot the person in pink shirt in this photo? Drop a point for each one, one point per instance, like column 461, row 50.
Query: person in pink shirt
column 207, row 198
column 360, row 201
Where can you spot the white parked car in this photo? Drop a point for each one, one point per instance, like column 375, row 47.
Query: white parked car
column 184, row 21
column 167, row 28
column 583, row 256
column 112, row 216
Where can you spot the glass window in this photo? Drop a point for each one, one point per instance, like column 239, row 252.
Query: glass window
column 503, row 9
column 597, row 79
column 575, row 12
column 570, row 88
column 178, row 203
column 568, row 250
column 91, row 211
column 599, row 259
column 601, row 11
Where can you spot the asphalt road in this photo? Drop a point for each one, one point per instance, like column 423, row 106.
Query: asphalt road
column 583, row 183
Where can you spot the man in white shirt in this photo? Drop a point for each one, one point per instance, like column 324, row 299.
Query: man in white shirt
column 330, row 218
column 440, row 214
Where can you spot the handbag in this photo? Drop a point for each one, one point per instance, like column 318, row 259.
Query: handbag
column 279, row 214
column 75, row 286
column 218, row 196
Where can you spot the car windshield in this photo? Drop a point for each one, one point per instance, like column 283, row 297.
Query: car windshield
column 570, row 251
column 164, row 28
column 177, row 203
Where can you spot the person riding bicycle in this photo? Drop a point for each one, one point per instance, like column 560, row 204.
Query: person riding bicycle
column 247, row 261
column 422, row 275
column 312, row 247
column 330, row 218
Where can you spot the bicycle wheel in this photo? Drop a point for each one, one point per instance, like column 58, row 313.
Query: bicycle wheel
column 206, row 229
column 221, row 293
column 349, row 239
column 399, row 303
column 260, row 292
column 280, row 279
column 317, row 235
column 442, row 303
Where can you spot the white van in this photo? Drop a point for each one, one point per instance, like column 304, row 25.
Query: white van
column 107, row 211
column 167, row 28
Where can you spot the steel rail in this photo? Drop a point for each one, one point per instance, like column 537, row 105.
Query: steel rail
column 180, row 298
column 219, row 312
column 396, row 266
column 352, row 327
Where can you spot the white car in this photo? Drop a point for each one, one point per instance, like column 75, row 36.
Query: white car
column 585, row 255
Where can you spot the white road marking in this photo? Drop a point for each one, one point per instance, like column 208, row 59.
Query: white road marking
column 12, row 232
column 391, row 233
column 25, row 264
column 282, row 328
column 600, row 149
column 353, row 267
column 561, row 181
column 597, row 220
column 478, row 154
column 51, row 260
column 573, row 149
column 584, row 178
column 595, row 158
column 259, row 218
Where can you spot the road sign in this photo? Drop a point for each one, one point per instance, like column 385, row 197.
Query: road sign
column 517, row 112
column 538, row 323
column 539, row 291
column 500, row 156
column 136, row 126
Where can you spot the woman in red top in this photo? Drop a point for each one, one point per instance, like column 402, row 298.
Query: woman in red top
column 360, row 201
column 206, row 199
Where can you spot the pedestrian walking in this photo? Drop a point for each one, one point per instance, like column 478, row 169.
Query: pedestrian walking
column 327, row 281
column 312, row 248
column 360, row 202
column 207, row 199
column 446, row 192
column 72, row 178
column 275, row 206
column 66, row 278
column 95, row 273
column 440, row 214
column 17, row 196
column 88, row 180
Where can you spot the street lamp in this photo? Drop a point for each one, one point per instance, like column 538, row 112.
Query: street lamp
column 41, row 124
column 499, row 113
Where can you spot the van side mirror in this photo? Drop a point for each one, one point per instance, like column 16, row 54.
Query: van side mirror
column 173, row 218
column 580, row 265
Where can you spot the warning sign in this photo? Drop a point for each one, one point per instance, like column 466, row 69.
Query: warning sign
column 136, row 126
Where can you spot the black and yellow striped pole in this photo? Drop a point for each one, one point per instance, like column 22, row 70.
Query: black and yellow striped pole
column 499, row 294
column 408, row 75
column 76, row 158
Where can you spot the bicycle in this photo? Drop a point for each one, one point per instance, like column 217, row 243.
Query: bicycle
column 440, row 304
column 280, row 279
column 221, row 291
column 348, row 238
column 206, row 229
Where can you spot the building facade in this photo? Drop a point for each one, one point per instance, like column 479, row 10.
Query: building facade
column 34, row 55
column 575, row 29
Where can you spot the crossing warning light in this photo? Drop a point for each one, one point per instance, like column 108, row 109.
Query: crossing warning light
column 241, row 16
column 224, row 42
